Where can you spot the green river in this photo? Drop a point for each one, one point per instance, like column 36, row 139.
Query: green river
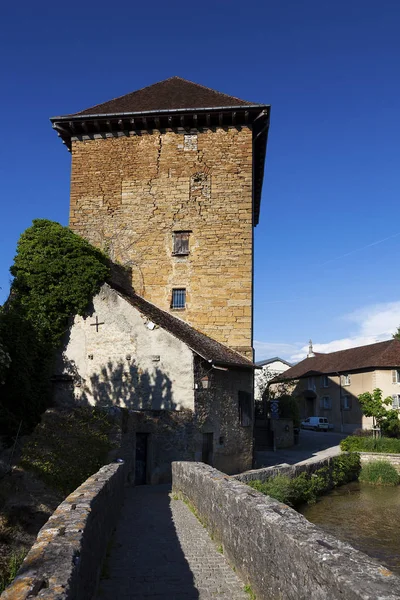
column 364, row 515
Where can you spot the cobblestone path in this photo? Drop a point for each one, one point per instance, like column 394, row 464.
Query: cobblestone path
column 160, row 550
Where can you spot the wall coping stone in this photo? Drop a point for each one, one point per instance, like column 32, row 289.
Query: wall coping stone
column 274, row 548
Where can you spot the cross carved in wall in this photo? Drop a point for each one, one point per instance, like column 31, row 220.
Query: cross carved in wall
column 97, row 323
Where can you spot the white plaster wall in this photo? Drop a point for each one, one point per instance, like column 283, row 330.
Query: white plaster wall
column 100, row 361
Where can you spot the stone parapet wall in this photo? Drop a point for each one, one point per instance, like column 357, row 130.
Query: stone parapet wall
column 309, row 466
column 394, row 459
column 65, row 561
column 274, row 548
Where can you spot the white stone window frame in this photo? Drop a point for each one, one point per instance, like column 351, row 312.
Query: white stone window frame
column 396, row 376
column 346, row 380
column 396, row 401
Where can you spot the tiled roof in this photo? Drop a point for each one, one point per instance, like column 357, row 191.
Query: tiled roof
column 201, row 344
column 384, row 355
column 171, row 94
column 268, row 361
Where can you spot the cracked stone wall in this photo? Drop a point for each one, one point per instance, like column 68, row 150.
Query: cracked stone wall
column 130, row 193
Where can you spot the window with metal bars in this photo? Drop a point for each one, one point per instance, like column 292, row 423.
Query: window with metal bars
column 178, row 298
column 181, row 243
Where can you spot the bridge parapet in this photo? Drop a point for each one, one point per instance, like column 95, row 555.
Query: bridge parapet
column 274, row 548
column 65, row 561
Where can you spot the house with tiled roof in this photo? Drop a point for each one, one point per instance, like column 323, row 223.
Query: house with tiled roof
column 329, row 384
column 167, row 181
column 267, row 369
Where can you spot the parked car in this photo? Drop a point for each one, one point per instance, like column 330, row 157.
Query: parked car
column 316, row 423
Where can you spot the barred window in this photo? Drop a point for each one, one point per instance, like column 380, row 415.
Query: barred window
column 178, row 298
column 181, row 243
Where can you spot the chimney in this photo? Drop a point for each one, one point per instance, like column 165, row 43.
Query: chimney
column 310, row 350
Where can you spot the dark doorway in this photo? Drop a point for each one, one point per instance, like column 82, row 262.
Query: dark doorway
column 207, row 450
column 141, row 458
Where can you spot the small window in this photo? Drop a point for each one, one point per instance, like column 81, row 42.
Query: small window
column 346, row 402
column 396, row 401
column 310, row 383
column 178, row 298
column 396, row 376
column 181, row 243
column 325, row 381
column 346, row 380
column 326, row 403
column 245, row 418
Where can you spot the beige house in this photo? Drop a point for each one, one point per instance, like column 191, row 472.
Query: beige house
column 328, row 385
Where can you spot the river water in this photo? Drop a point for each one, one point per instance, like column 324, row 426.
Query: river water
column 364, row 515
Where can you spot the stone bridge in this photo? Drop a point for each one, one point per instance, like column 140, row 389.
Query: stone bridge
column 209, row 538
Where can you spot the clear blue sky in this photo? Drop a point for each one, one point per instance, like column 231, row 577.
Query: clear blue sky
column 330, row 71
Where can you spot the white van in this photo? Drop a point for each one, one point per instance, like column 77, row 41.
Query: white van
column 316, row 423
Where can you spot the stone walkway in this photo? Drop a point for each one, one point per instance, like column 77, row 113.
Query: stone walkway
column 160, row 550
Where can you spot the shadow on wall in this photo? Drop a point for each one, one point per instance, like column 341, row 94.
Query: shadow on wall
column 335, row 402
column 117, row 384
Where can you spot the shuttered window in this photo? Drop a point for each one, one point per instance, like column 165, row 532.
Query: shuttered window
column 396, row 401
column 346, row 379
column 178, row 298
column 325, row 403
column 181, row 243
column 245, row 416
column 396, row 376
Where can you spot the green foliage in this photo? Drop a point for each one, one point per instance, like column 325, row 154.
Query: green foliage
column 56, row 274
column 289, row 409
column 12, row 566
column 249, row 591
column 369, row 444
column 68, row 446
column 379, row 472
column 306, row 488
column 373, row 405
column 396, row 335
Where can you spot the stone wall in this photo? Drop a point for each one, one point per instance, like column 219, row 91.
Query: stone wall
column 309, row 466
column 274, row 548
column 394, row 459
column 217, row 412
column 128, row 196
column 65, row 561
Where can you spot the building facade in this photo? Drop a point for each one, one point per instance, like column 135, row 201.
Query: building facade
column 167, row 180
column 328, row 385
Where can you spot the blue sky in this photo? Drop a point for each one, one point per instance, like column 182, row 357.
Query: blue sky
column 330, row 70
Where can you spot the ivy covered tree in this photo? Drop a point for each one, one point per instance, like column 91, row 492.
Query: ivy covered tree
column 56, row 274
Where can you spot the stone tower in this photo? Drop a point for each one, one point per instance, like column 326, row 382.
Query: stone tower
column 168, row 180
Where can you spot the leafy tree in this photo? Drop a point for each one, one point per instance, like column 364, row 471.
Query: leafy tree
column 372, row 405
column 56, row 274
column 396, row 335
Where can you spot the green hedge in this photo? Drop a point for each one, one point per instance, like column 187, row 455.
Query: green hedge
column 370, row 444
column 305, row 488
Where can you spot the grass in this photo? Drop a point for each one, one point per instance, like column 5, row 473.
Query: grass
column 220, row 549
column 369, row 444
column 305, row 488
column 249, row 591
column 11, row 568
column 68, row 446
column 379, row 472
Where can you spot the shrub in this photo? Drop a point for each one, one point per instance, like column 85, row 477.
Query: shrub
column 10, row 568
column 56, row 274
column 379, row 472
column 68, row 446
column 305, row 488
column 363, row 432
column 370, row 444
